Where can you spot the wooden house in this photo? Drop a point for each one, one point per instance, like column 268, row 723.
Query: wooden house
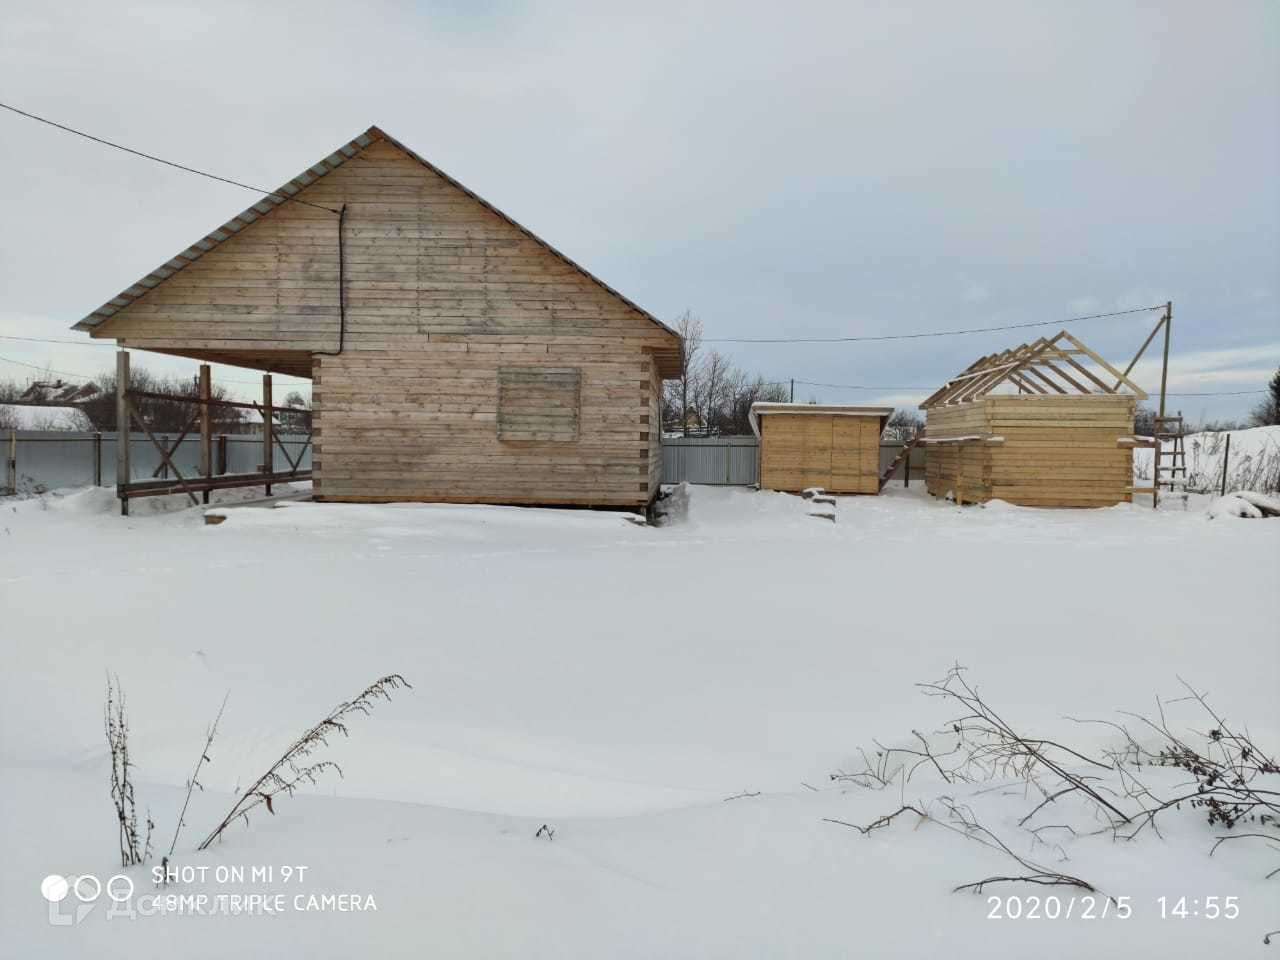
column 803, row 445
column 455, row 356
column 1046, row 424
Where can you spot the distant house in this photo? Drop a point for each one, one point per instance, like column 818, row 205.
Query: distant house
column 58, row 391
column 49, row 405
column 29, row 416
column 455, row 355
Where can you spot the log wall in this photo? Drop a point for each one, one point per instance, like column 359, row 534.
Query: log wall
column 839, row 453
column 1056, row 451
column 442, row 294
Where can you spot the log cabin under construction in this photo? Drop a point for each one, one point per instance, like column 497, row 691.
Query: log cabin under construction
column 1046, row 424
column 455, row 356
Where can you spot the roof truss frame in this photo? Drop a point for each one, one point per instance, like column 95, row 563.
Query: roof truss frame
column 1033, row 367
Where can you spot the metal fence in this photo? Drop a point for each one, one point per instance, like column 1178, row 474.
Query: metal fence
column 734, row 461
column 718, row 460
column 49, row 459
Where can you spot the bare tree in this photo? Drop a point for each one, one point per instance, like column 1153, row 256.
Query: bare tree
column 295, row 413
column 711, row 386
column 741, row 391
column 903, row 425
column 163, row 416
column 676, row 393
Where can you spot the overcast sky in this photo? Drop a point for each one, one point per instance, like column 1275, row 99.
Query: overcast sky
column 781, row 170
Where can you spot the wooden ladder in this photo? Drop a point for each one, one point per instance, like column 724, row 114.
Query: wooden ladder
column 901, row 458
column 1170, row 466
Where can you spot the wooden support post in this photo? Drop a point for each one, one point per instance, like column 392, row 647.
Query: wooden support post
column 1164, row 364
column 12, row 462
column 1226, row 455
column 1164, row 377
column 97, row 459
column 122, row 430
column 268, row 441
column 222, row 454
column 960, row 474
column 906, row 469
column 206, row 430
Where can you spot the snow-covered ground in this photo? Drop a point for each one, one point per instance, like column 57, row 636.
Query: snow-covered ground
column 1252, row 459
column 616, row 682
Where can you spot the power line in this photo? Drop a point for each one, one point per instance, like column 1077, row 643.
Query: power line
column 167, row 163
column 1225, row 393
column 87, row 376
column 934, row 333
column 69, row 343
column 855, row 386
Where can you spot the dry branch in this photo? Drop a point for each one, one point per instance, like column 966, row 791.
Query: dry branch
column 290, row 772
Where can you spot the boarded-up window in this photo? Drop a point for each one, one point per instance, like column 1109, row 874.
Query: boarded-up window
column 538, row 403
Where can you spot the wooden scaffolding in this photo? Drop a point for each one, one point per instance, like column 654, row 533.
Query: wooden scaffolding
column 203, row 403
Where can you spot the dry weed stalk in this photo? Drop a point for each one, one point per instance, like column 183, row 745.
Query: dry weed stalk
column 135, row 847
column 194, row 780
column 1232, row 780
column 292, row 770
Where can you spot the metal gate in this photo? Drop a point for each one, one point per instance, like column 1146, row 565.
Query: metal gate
column 717, row 460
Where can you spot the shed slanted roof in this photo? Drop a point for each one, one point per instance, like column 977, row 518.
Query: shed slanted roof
column 291, row 189
column 764, row 408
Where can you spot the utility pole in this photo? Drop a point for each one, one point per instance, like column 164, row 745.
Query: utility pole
column 1164, row 366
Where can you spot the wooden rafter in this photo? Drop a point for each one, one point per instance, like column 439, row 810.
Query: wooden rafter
column 1033, row 367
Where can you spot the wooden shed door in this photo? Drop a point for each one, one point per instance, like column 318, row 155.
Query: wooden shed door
column 797, row 452
column 855, row 454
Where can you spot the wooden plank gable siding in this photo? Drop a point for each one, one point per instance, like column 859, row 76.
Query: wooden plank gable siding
column 442, row 294
column 1055, row 451
column 839, row 453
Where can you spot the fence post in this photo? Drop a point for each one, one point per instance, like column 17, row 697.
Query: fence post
column 122, row 430
column 906, row 470
column 97, row 459
column 266, row 428
column 206, row 436
column 222, row 454
column 728, row 463
column 1226, row 455
column 13, row 461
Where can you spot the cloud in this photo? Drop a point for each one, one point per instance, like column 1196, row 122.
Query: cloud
column 1233, row 368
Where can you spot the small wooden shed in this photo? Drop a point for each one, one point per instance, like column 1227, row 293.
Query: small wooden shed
column 835, row 447
column 1046, row 424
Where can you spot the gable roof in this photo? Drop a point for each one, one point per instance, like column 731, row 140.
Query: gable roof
column 1031, row 368
column 291, row 189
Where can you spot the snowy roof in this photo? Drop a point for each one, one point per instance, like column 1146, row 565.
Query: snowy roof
column 295, row 186
column 47, row 417
column 58, row 391
column 763, row 408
